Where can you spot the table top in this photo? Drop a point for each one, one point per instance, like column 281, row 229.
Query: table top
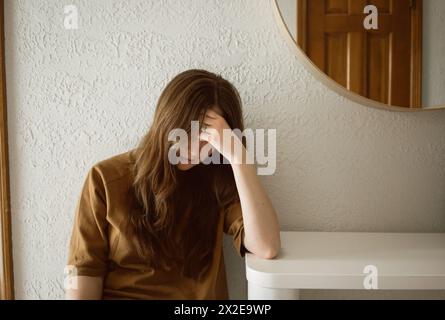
column 342, row 260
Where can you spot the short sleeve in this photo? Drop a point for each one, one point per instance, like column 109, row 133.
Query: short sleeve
column 88, row 247
column 234, row 226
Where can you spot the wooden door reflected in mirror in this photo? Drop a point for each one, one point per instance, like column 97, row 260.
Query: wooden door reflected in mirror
column 389, row 51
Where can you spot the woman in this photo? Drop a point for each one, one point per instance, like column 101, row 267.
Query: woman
column 149, row 229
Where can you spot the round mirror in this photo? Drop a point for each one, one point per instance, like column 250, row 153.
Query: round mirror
column 385, row 53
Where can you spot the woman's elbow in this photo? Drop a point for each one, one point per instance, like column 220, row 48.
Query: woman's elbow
column 273, row 253
column 266, row 250
column 270, row 252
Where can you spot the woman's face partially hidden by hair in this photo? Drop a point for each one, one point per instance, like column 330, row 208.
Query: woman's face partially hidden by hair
column 190, row 156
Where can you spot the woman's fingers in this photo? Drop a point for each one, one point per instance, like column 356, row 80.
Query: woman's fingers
column 204, row 136
column 209, row 119
column 209, row 122
column 210, row 135
column 213, row 114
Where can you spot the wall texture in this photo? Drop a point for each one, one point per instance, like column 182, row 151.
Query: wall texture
column 76, row 97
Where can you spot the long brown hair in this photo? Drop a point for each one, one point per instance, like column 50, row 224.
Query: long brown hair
column 164, row 194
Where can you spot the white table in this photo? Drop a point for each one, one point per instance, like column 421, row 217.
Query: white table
column 345, row 260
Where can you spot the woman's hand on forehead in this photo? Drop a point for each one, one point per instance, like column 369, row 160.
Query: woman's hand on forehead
column 213, row 132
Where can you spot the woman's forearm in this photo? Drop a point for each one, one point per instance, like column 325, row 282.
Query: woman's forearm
column 261, row 227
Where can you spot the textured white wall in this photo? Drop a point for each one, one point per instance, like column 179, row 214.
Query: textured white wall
column 76, row 97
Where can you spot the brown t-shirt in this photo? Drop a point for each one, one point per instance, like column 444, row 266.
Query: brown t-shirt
column 99, row 247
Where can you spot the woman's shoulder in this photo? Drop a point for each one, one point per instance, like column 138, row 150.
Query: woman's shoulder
column 115, row 168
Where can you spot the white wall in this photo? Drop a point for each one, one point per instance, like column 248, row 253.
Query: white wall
column 76, row 97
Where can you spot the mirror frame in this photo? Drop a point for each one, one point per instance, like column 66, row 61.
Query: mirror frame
column 6, row 266
column 326, row 80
